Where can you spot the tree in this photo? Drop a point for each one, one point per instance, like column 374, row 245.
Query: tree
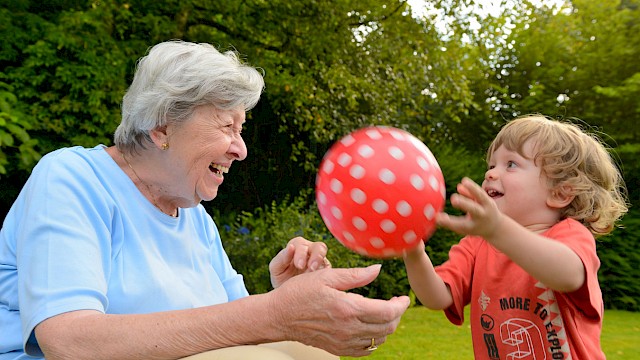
column 577, row 61
column 330, row 67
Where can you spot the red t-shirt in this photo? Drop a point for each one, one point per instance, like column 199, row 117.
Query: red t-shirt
column 514, row 316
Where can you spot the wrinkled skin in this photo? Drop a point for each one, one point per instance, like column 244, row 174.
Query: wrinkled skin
column 319, row 312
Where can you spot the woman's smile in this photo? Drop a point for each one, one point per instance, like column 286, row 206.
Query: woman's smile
column 218, row 170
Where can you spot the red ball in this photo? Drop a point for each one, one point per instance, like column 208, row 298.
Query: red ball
column 378, row 190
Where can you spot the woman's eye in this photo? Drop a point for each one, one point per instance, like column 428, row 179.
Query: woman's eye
column 232, row 130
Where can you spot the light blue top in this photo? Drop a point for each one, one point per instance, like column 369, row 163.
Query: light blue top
column 81, row 236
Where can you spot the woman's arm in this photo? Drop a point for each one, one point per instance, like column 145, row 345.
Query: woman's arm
column 312, row 308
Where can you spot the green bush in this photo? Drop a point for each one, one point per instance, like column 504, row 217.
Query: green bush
column 619, row 255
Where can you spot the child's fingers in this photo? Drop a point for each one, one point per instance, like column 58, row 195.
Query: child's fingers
column 476, row 191
column 464, row 188
column 458, row 224
column 464, row 203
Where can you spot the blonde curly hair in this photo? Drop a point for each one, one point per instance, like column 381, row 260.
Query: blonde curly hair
column 576, row 163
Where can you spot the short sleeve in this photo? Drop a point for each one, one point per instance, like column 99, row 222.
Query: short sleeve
column 57, row 240
column 232, row 281
column 457, row 273
column 577, row 237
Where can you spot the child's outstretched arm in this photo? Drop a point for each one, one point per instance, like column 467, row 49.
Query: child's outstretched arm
column 549, row 261
column 429, row 288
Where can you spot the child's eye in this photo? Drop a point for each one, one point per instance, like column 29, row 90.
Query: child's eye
column 511, row 164
column 490, row 167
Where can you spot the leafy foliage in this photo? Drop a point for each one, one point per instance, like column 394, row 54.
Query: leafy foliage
column 14, row 137
column 620, row 259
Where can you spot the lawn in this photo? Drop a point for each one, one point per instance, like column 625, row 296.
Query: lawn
column 426, row 334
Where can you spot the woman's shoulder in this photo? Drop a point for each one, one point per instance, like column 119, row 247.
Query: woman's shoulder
column 73, row 167
column 71, row 155
column 77, row 161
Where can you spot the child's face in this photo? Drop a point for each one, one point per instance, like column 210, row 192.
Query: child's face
column 518, row 186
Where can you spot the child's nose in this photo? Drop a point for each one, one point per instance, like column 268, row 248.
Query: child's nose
column 491, row 174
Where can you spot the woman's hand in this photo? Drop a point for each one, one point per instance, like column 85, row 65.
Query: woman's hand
column 317, row 309
column 298, row 257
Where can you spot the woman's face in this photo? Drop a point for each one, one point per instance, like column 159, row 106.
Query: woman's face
column 202, row 151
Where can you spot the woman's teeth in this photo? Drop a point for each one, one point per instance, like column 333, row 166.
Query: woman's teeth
column 218, row 169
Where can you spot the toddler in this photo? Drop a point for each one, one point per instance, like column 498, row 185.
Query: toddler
column 528, row 264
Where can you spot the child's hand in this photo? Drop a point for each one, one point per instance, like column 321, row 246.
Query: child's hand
column 482, row 214
column 415, row 252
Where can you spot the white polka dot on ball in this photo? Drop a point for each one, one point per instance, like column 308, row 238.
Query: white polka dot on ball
column 388, row 226
column 403, row 208
column 387, row 176
column 374, row 134
column 347, row 235
column 328, row 166
column 409, row 237
column 417, row 182
column 347, row 140
column 359, row 223
column 336, row 186
column 336, row 213
column 357, row 172
column 423, row 163
column 358, row 196
column 344, row 159
column 322, row 198
column 397, row 135
column 380, row 206
column 429, row 212
column 396, row 153
column 366, row 151
column 435, row 184
column 377, row 243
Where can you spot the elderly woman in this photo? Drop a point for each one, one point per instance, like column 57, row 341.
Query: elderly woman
column 108, row 254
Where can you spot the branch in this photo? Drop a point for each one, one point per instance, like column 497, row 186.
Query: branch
column 383, row 17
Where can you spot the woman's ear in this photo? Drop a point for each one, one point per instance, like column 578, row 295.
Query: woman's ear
column 160, row 136
column 560, row 196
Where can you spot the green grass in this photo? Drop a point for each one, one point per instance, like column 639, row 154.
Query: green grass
column 427, row 334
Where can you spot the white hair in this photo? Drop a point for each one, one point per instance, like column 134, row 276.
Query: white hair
column 173, row 79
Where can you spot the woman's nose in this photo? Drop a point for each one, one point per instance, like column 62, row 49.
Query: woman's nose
column 238, row 148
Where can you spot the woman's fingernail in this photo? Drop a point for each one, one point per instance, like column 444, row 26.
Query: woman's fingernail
column 374, row 268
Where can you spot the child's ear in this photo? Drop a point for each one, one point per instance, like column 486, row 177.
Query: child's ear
column 560, row 197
